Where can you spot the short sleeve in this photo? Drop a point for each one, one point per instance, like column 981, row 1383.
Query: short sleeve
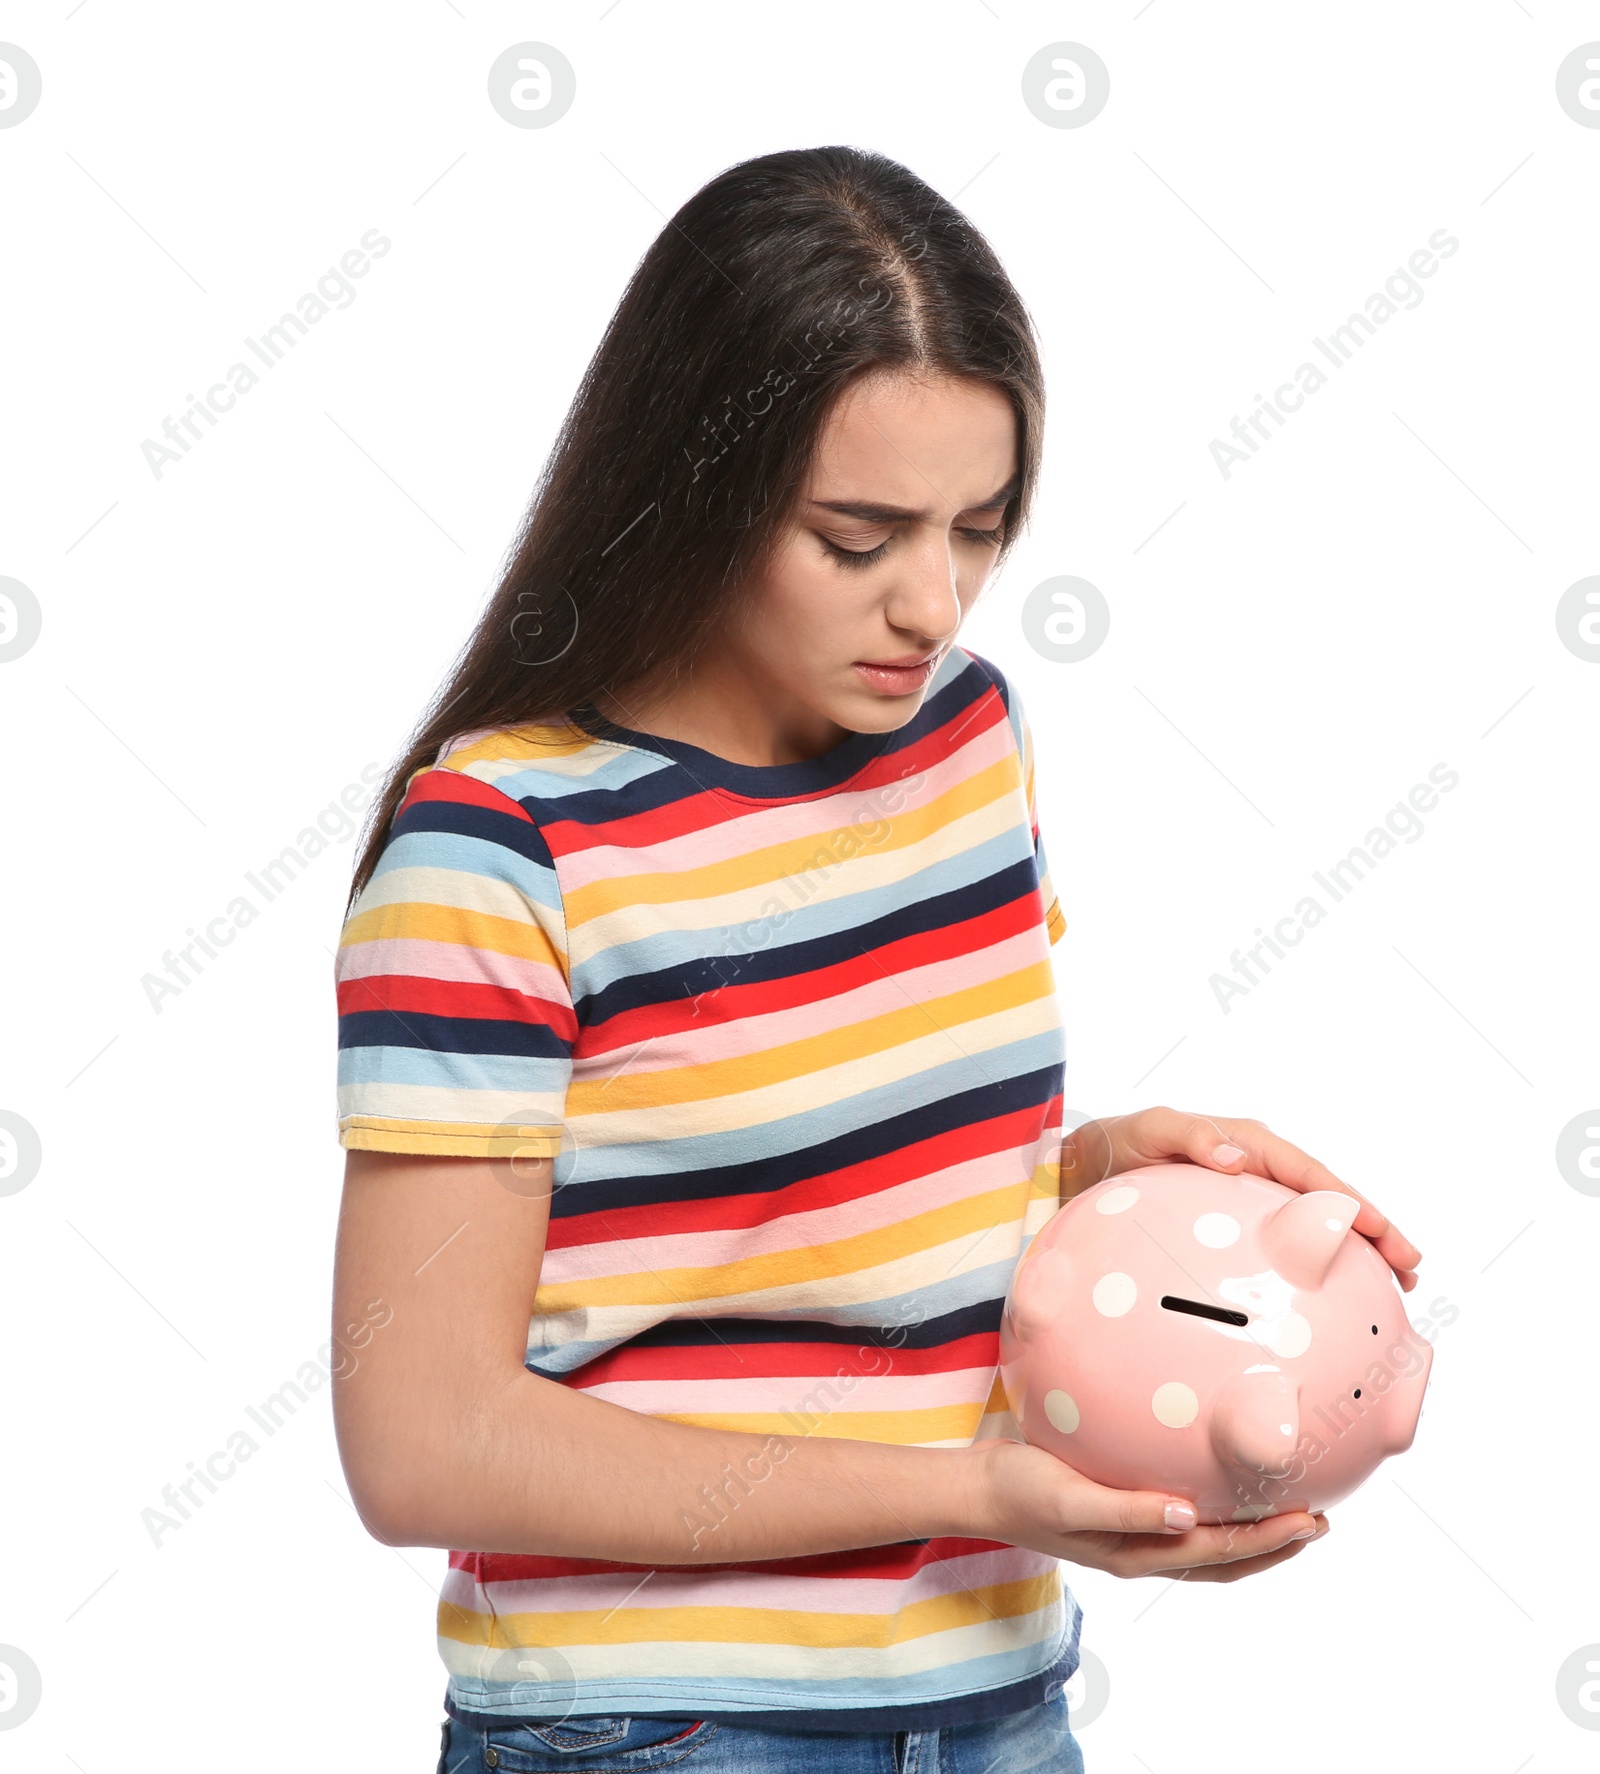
column 456, row 1024
column 1055, row 922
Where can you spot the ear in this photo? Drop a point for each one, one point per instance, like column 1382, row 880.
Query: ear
column 1304, row 1235
column 1039, row 1288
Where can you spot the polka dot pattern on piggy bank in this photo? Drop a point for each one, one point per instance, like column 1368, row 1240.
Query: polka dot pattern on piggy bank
column 1222, row 1337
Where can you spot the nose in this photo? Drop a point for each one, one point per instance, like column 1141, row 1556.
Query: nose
column 925, row 600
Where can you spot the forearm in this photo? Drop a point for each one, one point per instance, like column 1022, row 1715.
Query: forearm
column 544, row 1468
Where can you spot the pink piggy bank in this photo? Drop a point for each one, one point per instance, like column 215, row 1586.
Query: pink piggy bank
column 1221, row 1337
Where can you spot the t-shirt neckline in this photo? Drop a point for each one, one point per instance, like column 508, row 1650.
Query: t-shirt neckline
column 765, row 782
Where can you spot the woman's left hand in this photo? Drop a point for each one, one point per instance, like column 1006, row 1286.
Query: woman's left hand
column 1100, row 1149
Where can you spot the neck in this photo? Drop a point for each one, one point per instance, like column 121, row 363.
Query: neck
column 719, row 706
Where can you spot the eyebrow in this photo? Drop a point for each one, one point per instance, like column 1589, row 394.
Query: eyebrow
column 872, row 513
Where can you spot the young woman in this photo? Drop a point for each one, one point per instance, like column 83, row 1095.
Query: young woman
column 700, row 1066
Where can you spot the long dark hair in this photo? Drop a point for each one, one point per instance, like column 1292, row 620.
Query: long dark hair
column 687, row 445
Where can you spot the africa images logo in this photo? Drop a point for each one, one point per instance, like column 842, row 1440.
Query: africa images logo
column 1401, row 289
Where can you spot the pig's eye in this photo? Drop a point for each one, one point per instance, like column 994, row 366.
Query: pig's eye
column 1200, row 1309
column 1374, row 1330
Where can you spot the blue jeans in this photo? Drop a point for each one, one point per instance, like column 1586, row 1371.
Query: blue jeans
column 1034, row 1741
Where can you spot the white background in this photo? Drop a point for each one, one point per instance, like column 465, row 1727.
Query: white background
column 1291, row 649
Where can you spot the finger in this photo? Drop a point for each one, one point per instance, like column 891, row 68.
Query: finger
column 1243, row 1567
column 1399, row 1253
column 1235, row 1145
column 1099, row 1507
column 1226, row 1543
column 1176, row 1133
column 1230, row 1569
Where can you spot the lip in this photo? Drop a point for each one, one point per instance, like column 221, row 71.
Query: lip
column 904, row 676
column 905, row 662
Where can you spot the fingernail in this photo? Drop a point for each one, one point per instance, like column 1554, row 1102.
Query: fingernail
column 1306, row 1534
column 1180, row 1515
column 1225, row 1154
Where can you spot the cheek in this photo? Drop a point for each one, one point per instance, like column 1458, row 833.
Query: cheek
column 973, row 572
column 806, row 611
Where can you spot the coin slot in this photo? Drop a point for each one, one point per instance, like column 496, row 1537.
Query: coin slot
column 1222, row 1314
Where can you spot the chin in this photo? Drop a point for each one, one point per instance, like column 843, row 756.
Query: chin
column 870, row 712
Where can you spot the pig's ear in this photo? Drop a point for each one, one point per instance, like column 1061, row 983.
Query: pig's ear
column 1039, row 1289
column 1303, row 1236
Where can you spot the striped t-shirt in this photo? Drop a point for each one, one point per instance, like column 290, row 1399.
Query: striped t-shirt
column 789, row 1033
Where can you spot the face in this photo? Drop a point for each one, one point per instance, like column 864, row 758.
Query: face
column 893, row 539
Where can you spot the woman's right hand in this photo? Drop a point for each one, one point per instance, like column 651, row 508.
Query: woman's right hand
column 1027, row 1497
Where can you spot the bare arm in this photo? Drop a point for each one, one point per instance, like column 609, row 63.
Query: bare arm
column 448, row 1440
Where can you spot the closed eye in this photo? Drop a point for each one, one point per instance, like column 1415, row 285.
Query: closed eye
column 864, row 557
column 855, row 557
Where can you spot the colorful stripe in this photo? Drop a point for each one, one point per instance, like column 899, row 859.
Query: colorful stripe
column 790, row 1036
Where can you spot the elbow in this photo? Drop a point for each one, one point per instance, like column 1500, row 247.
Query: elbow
column 386, row 1515
column 395, row 1489
column 397, row 1515
column 384, row 1521
column 415, row 1477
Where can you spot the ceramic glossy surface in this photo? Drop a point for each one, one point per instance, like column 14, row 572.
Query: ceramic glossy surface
column 1222, row 1337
